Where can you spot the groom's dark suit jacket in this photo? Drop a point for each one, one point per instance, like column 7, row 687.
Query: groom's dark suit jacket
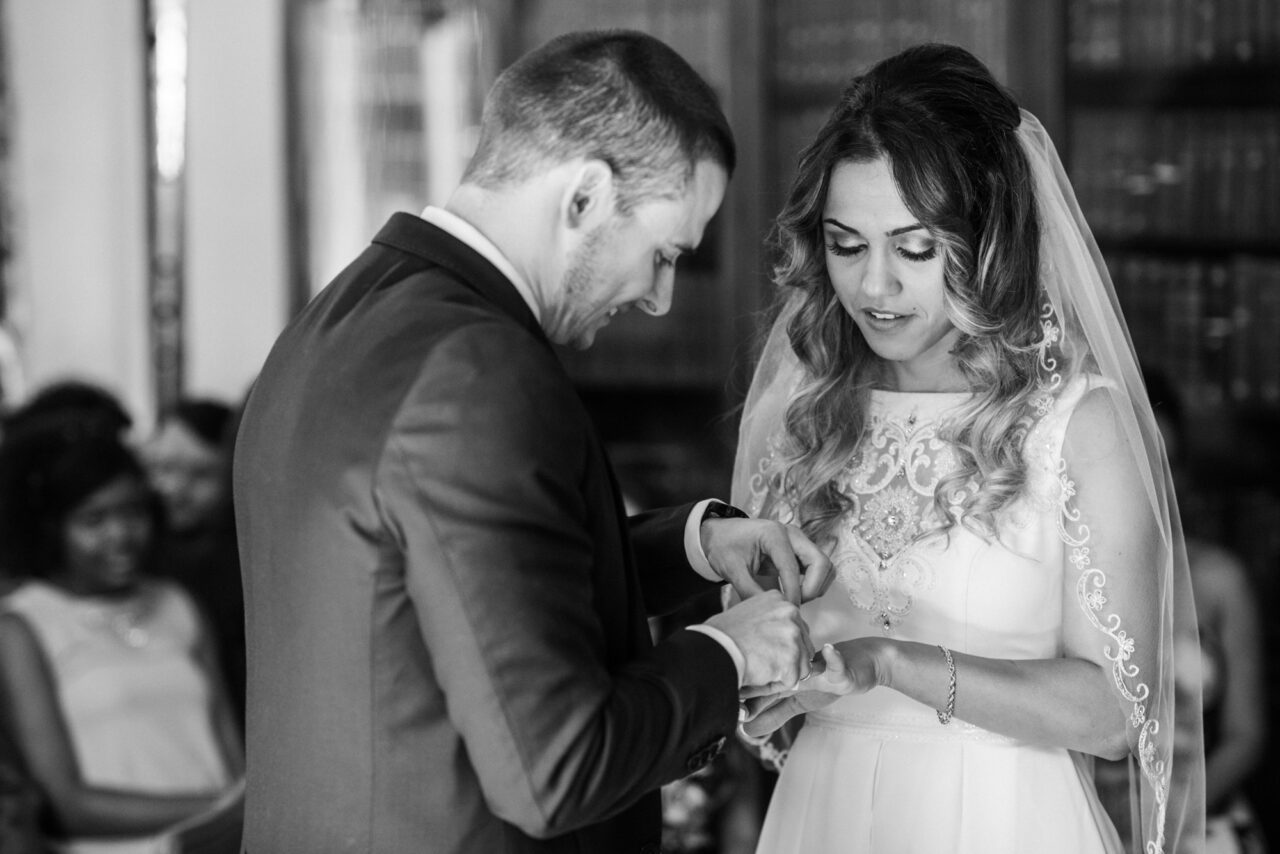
column 446, row 605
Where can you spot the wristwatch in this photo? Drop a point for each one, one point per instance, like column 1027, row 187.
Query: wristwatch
column 720, row 510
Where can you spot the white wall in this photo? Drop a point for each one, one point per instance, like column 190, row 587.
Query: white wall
column 79, row 168
column 237, row 253
column 79, row 301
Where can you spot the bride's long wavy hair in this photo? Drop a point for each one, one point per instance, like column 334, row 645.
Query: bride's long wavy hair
column 948, row 132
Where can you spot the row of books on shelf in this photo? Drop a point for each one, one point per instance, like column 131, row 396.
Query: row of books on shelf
column 821, row 44
column 1162, row 34
column 694, row 28
column 1214, row 324
column 1197, row 174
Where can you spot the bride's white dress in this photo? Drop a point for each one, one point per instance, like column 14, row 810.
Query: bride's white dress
column 878, row 772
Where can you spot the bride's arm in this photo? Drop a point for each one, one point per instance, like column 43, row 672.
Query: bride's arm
column 1111, row 602
column 1062, row 702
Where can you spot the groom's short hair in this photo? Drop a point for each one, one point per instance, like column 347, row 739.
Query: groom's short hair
column 615, row 95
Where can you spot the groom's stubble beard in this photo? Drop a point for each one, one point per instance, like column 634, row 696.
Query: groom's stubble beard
column 578, row 315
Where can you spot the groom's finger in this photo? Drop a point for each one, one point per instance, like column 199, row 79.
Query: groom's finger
column 745, row 584
column 775, row 544
column 817, row 566
column 807, row 651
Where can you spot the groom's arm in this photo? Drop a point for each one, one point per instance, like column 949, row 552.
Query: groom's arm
column 522, row 605
column 681, row 550
column 660, row 541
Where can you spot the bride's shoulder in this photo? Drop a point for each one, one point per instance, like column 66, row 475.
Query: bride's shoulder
column 1093, row 422
column 1083, row 412
column 1084, row 400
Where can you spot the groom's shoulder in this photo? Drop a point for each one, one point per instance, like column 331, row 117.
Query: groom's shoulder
column 410, row 308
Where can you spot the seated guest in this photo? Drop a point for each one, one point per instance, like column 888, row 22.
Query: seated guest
column 107, row 675
column 70, row 399
column 62, row 401
column 188, row 459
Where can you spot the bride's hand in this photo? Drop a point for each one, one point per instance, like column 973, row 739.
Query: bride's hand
column 838, row 677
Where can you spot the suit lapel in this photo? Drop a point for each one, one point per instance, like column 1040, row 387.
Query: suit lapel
column 419, row 238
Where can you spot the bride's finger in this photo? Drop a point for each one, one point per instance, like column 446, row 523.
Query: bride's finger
column 755, row 706
column 835, row 674
column 749, row 691
column 832, row 658
column 775, row 716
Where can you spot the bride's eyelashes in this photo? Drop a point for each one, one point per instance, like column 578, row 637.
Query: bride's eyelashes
column 843, row 251
column 919, row 257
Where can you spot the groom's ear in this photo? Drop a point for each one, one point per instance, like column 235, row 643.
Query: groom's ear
column 589, row 196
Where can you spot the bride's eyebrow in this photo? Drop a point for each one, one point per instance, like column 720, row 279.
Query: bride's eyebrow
column 892, row 233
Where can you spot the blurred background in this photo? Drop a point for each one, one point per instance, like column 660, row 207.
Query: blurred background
column 178, row 177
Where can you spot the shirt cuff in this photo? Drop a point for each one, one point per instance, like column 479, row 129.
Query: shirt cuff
column 739, row 663
column 693, row 542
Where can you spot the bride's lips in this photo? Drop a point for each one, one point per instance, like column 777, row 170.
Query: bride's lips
column 884, row 321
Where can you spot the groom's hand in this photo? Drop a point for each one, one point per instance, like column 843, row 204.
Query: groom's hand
column 772, row 637
column 741, row 549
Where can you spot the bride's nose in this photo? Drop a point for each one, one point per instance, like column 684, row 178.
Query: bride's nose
column 877, row 276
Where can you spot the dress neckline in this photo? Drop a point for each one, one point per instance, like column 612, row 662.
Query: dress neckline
column 920, row 404
column 893, row 393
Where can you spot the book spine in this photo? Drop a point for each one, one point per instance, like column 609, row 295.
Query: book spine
column 1216, row 330
column 1266, row 335
column 1242, row 385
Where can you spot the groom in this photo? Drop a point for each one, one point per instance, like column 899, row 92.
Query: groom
column 446, row 604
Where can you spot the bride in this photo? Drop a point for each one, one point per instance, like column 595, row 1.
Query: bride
column 949, row 401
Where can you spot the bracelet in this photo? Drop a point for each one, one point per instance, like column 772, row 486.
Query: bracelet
column 944, row 715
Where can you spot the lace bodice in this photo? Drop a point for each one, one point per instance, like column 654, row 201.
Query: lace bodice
column 888, row 538
column 891, row 541
column 901, row 573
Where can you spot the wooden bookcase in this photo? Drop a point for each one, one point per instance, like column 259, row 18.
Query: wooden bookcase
column 1172, row 109
column 1173, row 115
column 1167, row 111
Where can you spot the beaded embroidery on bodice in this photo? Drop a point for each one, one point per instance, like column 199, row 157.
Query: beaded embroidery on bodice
column 889, row 537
